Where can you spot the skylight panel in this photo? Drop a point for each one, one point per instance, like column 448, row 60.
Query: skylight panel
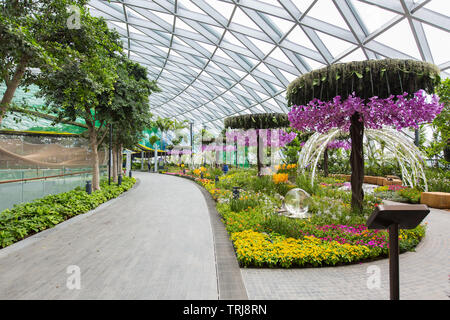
column 180, row 24
column 133, row 29
column 279, row 55
column 441, row 6
column 240, row 73
column 400, row 37
column 298, row 36
column 165, row 16
column 134, row 13
column 438, row 41
column 356, row 55
column 313, row 63
column 265, row 47
column 333, row 44
column 118, row 25
column 189, row 5
column 303, row 5
column 282, row 24
column 241, row 18
column 325, row 10
column 372, row 16
column 225, row 9
column 229, row 37
column 289, row 76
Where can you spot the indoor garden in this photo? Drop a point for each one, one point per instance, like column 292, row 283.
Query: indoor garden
column 297, row 121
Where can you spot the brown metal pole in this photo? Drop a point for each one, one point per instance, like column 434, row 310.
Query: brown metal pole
column 394, row 281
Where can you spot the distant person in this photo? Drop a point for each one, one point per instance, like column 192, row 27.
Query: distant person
column 225, row 168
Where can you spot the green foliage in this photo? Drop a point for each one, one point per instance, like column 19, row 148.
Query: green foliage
column 83, row 85
column 85, row 81
column 368, row 78
column 26, row 219
column 412, row 194
column 153, row 140
column 243, row 203
column 30, row 32
column 440, row 146
column 438, row 179
column 213, row 172
column 236, row 221
column 384, row 169
column 303, row 181
column 129, row 112
column 292, row 150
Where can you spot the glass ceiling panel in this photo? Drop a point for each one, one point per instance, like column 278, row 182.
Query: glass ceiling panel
column 203, row 62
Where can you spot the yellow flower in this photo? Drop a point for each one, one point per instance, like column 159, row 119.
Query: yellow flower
column 280, row 177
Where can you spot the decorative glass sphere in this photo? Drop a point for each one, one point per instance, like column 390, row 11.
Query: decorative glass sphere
column 294, row 201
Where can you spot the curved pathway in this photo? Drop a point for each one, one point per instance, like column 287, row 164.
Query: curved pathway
column 163, row 239
column 424, row 274
column 153, row 242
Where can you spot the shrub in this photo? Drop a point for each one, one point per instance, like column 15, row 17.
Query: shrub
column 28, row 218
column 412, row 194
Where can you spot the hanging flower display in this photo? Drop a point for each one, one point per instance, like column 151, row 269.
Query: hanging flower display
column 397, row 111
column 340, row 144
column 364, row 94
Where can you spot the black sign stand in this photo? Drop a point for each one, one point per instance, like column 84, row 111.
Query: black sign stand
column 393, row 218
column 394, row 272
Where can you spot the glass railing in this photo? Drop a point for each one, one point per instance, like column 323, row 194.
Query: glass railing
column 20, row 186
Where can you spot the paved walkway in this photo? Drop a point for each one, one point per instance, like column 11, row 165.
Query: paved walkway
column 424, row 274
column 153, row 242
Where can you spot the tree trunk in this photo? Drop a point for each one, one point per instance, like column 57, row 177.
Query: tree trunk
column 325, row 163
column 11, row 87
column 447, row 151
column 357, row 162
column 95, row 160
column 114, row 164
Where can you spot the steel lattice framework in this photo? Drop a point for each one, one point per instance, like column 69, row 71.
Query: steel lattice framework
column 213, row 59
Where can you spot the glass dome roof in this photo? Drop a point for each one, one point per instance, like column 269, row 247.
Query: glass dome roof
column 217, row 58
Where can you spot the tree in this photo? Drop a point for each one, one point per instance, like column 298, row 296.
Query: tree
column 440, row 147
column 164, row 125
column 128, row 111
column 153, row 140
column 373, row 94
column 28, row 39
column 83, row 85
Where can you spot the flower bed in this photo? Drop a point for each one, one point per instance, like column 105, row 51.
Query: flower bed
column 332, row 236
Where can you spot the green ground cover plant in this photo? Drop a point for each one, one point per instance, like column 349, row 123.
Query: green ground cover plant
column 27, row 219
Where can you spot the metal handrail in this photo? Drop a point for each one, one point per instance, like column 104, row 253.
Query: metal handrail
column 46, row 177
